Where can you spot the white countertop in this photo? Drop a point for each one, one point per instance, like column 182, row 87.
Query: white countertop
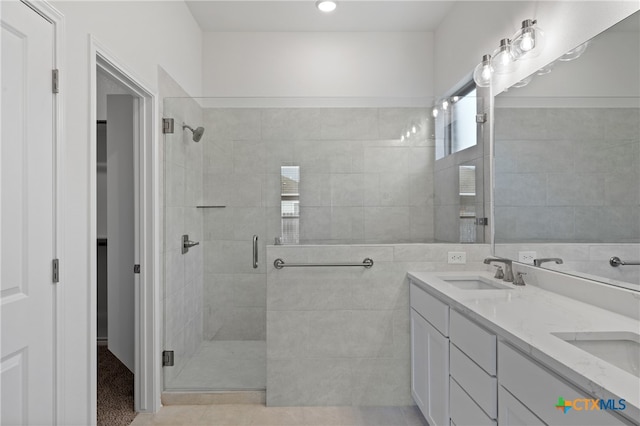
column 526, row 316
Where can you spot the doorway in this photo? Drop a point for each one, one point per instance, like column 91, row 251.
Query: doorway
column 129, row 163
column 115, row 252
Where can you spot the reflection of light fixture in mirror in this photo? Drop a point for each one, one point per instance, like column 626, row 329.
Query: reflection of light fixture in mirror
column 445, row 105
column 483, row 71
column 574, row 53
column 503, row 61
column 528, row 41
column 546, row 69
column 414, row 129
column 523, row 82
column 326, row 5
column 434, row 112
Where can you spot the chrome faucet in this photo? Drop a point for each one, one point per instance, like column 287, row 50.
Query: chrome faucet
column 508, row 270
column 539, row 262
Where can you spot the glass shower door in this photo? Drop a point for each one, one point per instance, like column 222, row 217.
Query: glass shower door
column 215, row 293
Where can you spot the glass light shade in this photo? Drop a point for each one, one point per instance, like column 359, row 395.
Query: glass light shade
column 503, row 60
column 523, row 82
column 574, row 53
column 483, row 72
column 546, row 69
column 528, row 42
column 326, row 5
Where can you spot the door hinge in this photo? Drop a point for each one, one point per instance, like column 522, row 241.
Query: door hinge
column 481, row 118
column 482, row 221
column 136, row 269
column 55, row 81
column 167, row 358
column 55, row 270
column 167, row 125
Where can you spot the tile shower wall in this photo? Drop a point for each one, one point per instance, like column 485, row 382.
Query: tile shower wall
column 359, row 183
column 341, row 336
column 567, row 174
column 182, row 174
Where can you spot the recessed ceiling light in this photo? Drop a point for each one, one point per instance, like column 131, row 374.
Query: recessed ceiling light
column 326, row 5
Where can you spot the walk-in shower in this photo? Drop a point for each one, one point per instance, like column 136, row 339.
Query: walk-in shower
column 293, row 175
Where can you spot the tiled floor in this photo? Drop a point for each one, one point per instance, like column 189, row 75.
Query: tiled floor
column 234, row 415
column 225, row 365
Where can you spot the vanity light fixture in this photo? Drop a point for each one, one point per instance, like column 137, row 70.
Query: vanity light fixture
column 528, row 40
column 503, row 60
column 483, row 72
column 326, row 6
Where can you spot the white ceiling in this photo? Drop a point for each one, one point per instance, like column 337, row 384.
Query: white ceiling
column 302, row 15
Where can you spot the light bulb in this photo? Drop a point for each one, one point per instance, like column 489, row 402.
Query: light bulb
column 434, row 112
column 408, row 133
column 483, row 72
column 326, row 5
column 503, row 60
column 414, row 130
column 445, row 105
column 528, row 41
column 402, row 138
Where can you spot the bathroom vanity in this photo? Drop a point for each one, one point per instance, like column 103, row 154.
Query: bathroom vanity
column 485, row 352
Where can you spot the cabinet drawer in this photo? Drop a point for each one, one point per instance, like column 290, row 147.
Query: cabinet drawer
column 513, row 412
column 538, row 389
column 482, row 387
column 474, row 341
column 431, row 309
column 465, row 412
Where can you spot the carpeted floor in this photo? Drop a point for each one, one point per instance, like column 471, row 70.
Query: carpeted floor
column 115, row 391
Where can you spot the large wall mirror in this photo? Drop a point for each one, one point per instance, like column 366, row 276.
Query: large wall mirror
column 567, row 160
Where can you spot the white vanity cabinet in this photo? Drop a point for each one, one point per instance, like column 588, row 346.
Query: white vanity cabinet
column 473, row 367
column 430, row 356
column 536, row 390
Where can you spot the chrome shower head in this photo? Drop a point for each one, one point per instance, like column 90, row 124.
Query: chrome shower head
column 197, row 133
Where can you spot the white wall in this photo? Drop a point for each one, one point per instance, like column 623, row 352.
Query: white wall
column 473, row 29
column 142, row 35
column 308, row 64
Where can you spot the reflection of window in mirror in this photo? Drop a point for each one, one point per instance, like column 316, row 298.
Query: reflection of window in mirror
column 467, row 191
column 290, row 204
column 455, row 118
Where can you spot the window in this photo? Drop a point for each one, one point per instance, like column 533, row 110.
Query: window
column 455, row 122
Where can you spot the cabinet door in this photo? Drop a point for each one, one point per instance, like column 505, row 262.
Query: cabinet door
column 513, row 412
column 429, row 370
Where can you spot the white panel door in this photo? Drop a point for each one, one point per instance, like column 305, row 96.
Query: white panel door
column 120, row 229
column 27, row 185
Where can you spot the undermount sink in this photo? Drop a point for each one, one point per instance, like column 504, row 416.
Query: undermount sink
column 474, row 283
column 621, row 349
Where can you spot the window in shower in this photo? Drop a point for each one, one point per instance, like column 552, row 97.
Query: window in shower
column 290, row 204
column 456, row 127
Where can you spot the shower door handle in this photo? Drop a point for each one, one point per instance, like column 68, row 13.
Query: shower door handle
column 255, row 252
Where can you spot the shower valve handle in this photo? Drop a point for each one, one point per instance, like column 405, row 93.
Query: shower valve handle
column 187, row 244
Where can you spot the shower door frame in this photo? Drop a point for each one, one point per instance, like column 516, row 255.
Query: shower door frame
column 148, row 369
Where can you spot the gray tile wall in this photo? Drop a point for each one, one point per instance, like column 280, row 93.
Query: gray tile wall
column 182, row 191
column 359, row 183
column 567, row 174
column 341, row 336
